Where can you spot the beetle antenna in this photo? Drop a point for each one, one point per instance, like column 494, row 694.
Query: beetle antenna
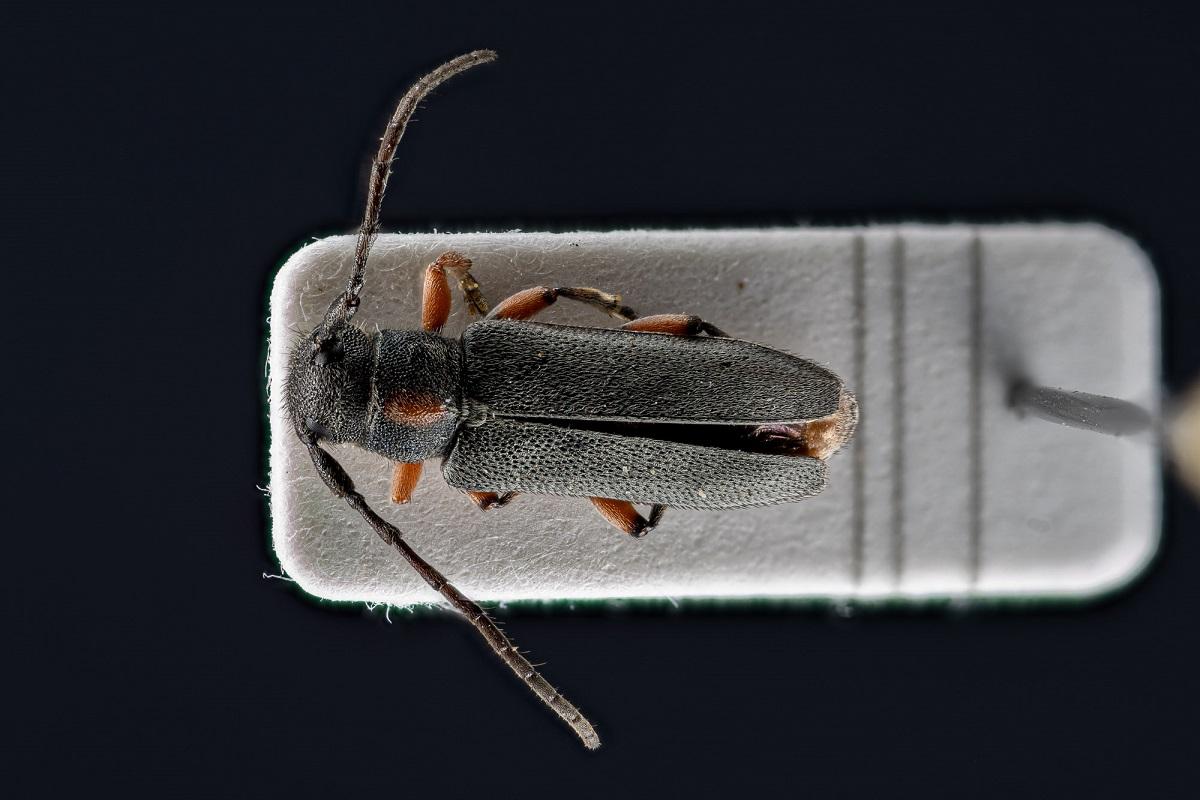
column 343, row 308
column 339, row 482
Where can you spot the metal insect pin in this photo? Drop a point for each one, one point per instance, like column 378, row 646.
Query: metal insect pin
column 673, row 427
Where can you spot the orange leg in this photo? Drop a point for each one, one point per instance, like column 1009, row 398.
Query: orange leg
column 404, row 480
column 528, row 303
column 623, row 516
column 674, row 324
column 489, row 500
column 435, row 297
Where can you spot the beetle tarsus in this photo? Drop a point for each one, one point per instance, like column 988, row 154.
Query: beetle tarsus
column 487, row 501
column 606, row 302
column 656, row 514
column 624, row 517
column 713, row 330
column 644, row 526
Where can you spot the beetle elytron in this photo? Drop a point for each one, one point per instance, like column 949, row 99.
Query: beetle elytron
column 666, row 410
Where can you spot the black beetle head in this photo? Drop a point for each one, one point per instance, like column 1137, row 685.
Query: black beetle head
column 328, row 383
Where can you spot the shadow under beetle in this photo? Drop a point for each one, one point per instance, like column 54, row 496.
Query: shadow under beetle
column 666, row 410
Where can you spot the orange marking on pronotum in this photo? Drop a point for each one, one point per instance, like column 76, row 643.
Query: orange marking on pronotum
column 414, row 410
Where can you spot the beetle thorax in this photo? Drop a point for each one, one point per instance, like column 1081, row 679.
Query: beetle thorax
column 416, row 395
column 396, row 393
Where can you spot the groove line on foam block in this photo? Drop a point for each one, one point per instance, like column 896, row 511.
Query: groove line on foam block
column 860, row 368
column 898, row 322
column 975, row 259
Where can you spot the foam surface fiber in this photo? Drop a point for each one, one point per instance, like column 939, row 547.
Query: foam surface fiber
column 945, row 491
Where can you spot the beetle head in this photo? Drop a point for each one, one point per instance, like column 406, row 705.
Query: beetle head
column 328, row 383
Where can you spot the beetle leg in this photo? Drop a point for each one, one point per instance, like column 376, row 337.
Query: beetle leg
column 528, row 303
column 489, row 500
column 435, row 298
column 404, row 480
column 622, row 515
column 674, row 324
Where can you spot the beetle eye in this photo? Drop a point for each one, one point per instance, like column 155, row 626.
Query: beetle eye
column 329, row 351
column 317, row 429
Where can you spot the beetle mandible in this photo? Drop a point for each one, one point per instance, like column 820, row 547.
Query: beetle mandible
column 666, row 410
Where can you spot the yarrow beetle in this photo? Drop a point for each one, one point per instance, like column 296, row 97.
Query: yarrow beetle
column 666, row 410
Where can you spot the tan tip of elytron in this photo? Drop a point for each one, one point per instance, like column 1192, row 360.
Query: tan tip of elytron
column 1184, row 436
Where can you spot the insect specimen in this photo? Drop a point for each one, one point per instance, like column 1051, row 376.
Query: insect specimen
column 666, row 410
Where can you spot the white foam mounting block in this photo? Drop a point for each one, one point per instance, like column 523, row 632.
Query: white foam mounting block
column 945, row 491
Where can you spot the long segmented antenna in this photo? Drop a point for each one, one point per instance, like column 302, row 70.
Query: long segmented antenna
column 340, row 483
column 344, row 306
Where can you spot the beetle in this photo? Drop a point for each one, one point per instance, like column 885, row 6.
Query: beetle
column 666, row 410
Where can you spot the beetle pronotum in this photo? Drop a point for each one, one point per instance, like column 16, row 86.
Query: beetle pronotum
column 619, row 416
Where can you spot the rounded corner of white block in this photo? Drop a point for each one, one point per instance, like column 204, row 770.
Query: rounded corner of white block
column 1119, row 568
column 294, row 559
column 1128, row 259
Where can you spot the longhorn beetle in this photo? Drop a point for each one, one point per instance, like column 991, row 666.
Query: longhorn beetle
column 666, row 410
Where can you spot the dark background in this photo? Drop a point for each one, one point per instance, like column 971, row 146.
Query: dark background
column 158, row 164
